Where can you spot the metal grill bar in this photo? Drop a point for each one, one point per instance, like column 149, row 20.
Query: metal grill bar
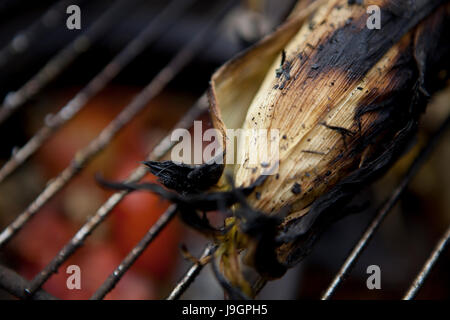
column 56, row 65
column 16, row 285
column 376, row 222
column 53, row 122
column 134, row 254
column 423, row 274
column 24, row 39
column 190, row 275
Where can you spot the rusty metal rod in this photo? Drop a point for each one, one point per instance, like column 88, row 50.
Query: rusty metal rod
column 425, row 271
column 376, row 222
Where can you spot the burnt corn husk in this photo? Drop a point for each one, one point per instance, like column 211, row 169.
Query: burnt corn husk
column 346, row 100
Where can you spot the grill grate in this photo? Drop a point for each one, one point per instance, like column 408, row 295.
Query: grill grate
column 18, row 286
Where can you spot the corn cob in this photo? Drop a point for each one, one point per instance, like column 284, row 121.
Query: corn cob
column 345, row 99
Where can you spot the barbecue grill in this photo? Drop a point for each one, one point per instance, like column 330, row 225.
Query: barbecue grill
column 43, row 44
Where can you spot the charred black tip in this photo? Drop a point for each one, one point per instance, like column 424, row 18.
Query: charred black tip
column 183, row 178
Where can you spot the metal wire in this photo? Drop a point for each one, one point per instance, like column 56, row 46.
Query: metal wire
column 53, row 122
column 22, row 40
column 423, row 274
column 57, row 64
column 190, row 275
column 363, row 242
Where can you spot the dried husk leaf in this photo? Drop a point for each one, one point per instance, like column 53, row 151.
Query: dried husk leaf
column 236, row 83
